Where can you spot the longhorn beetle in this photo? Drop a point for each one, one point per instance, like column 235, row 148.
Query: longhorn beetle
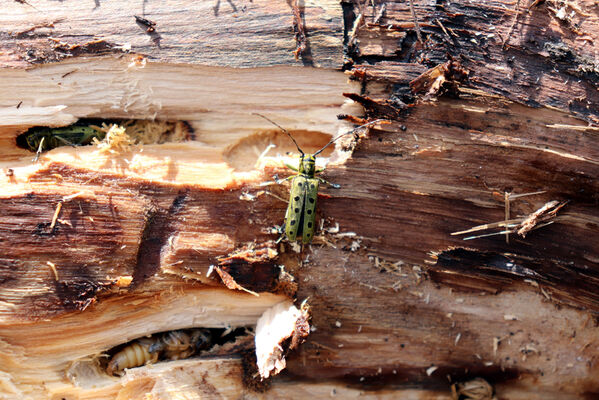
column 40, row 139
column 300, row 216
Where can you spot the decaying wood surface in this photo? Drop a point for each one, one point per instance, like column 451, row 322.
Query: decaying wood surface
column 487, row 101
column 258, row 32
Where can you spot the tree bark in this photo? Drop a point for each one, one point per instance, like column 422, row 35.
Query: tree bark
column 490, row 116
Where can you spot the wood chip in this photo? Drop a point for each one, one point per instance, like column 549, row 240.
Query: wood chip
column 275, row 326
column 124, row 281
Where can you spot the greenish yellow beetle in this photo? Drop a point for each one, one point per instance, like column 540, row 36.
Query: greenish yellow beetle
column 301, row 211
column 40, row 139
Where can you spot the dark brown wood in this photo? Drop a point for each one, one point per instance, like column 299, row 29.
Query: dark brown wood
column 542, row 56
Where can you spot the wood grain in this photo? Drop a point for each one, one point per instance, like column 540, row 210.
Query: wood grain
column 400, row 306
column 259, row 32
column 541, row 61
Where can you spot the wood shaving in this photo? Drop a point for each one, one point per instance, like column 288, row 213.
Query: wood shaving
column 251, row 254
column 537, row 219
column 157, row 132
column 546, row 212
column 430, row 370
column 116, row 140
column 230, row 282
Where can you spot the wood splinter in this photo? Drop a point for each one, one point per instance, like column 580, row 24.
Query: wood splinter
column 56, row 214
column 300, row 31
column 538, row 219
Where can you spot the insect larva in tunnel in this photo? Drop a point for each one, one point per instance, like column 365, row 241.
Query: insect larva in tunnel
column 134, row 355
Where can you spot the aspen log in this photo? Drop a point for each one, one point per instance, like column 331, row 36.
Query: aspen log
column 459, row 256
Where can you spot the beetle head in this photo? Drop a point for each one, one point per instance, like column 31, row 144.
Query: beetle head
column 307, row 164
column 30, row 139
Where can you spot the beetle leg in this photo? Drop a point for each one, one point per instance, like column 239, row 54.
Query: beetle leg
column 331, row 184
column 156, row 347
column 281, row 230
column 276, row 180
column 65, row 141
column 279, row 181
column 291, row 167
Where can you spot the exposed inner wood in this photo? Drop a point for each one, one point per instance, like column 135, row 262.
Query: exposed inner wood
column 385, row 227
column 63, row 273
column 46, row 349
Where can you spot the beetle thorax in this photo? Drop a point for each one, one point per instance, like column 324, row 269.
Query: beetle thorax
column 307, row 165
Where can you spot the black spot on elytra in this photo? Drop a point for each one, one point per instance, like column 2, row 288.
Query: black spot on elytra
column 311, row 199
column 312, row 186
column 300, row 184
column 296, row 198
column 309, row 224
column 309, row 212
column 292, row 222
column 296, row 210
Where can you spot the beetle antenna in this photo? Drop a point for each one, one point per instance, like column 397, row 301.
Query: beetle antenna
column 283, row 129
column 376, row 121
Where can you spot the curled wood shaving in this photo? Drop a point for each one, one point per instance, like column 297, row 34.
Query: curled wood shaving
column 56, row 214
column 116, row 139
column 230, row 282
column 431, row 369
column 53, row 268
